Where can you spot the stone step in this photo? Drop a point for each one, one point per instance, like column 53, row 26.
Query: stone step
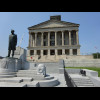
column 49, row 83
column 12, row 80
column 27, row 70
column 26, row 79
column 85, row 85
column 9, row 84
column 35, row 72
column 8, row 73
column 27, row 74
column 83, row 82
column 7, row 76
column 24, row 74
column 35, row 77
column 81, row 78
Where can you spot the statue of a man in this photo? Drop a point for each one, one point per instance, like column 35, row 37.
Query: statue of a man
column 12, row 43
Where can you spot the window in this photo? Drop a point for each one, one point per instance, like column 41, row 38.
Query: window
column 74, row 51
column 59, row 52
column 52, row 37
column 45, row 52
column 44, row 36
column 44, row 43
column 67, row 51
column 52, row 43
column 32, row 52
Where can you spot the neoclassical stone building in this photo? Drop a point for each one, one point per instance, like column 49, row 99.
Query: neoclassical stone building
column 53, row 39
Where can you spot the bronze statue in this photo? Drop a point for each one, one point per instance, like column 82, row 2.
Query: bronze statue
column 12, row 43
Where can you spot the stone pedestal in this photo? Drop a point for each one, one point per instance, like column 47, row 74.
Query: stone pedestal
column 9, row 67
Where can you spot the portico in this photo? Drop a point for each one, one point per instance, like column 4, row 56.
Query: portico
column 54, row 37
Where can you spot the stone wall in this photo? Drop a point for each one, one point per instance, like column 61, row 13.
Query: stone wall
column 79, row 57
column 54, row 58
column 82, row 62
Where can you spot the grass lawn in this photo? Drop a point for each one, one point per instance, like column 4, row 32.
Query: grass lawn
column 90, row 68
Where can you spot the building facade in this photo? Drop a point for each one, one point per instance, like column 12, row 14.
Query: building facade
column 53, row 38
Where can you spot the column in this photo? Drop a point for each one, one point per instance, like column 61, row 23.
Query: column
column 41, row 52
column 69, row 37
column 42, row 39
column 63, row 51
column 77, row 37
column 48, row 38
column 78, row 51
column 35, row 39
column 62, row 38
column 29, row 39
column 48, row 52
column 55, row 38
column 56, row 52
column 35, row 52
column 71, row 51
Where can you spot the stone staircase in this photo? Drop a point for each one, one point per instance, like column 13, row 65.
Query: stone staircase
column 81, row 81
column 30, row 73
column 29, row 78
column 32, row 79
column 7, row 74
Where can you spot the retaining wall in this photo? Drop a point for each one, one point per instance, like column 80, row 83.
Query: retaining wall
column 82, row 62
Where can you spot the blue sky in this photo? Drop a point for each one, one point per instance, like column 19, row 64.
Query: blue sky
column 89, row 30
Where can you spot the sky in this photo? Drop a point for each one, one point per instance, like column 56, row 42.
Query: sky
column 89, row 30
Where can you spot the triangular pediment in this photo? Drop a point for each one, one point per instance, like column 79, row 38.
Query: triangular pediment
column 53, row 24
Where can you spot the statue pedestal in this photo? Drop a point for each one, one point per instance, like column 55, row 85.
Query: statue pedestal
column 9, row 67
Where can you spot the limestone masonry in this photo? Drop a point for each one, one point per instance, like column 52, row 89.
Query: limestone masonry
column 53, row 39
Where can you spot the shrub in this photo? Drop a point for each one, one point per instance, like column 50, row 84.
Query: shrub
column 96, row 55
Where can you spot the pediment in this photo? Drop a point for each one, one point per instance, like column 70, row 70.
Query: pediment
column 53, row 24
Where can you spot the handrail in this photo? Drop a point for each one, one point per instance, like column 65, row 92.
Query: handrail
column 68, row 79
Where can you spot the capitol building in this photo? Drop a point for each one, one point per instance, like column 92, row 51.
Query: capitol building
column 53, row 39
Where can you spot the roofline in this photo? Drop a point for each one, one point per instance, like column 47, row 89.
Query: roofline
column 32, row 27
